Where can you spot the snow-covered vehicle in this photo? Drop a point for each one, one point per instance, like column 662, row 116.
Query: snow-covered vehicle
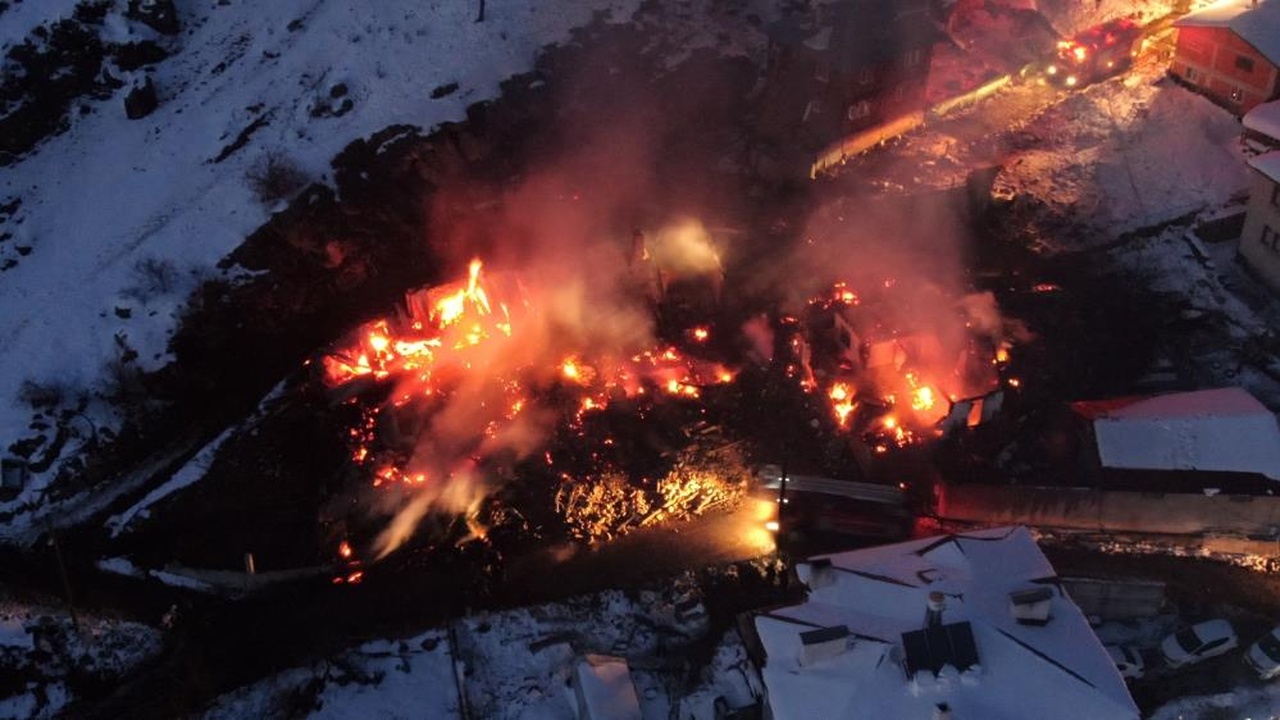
column 1264, row 655
column 1127, row 660
column 1095, row 54
column 1199, row 642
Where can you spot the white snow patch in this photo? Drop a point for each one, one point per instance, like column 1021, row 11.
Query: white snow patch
column 1252, row 703
column 17, row 22
column 120, row 566
column 410, row 678
column 180, row 580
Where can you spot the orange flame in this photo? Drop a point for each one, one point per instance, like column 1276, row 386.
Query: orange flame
column 842, row 402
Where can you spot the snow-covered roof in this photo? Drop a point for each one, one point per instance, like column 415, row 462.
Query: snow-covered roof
column 1256, row 23
column 1223, row 430
column 1055, row 670
column 1268, row 164
column 1265, row 119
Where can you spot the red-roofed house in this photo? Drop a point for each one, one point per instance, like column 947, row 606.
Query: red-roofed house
column 1223, row 436
column 1230, row 51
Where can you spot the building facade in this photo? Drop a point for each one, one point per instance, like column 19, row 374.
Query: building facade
column 1230, row 52
column 1260, row 240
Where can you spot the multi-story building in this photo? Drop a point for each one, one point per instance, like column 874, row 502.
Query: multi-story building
column 1260, row 240
column 1230, row 52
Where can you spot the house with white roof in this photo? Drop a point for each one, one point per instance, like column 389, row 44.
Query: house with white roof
column 1260, row 239
column 1230, row 51
column 1225, row 435
column 971, row 626
column 1261, row 128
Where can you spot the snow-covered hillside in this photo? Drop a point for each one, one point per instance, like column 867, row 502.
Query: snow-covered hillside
column 114, row 221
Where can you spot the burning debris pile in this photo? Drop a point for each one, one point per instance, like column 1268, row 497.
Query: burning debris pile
column 610, row 505
column 890, row 386
column 449, row 403
column 454, row 416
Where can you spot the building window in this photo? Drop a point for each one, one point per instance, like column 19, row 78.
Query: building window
column 1270, row 239
column 1190, row 74
column 913, row 58
column 859, row 110
column 822, row 72
column 1244, row 63
column 865, row 76
column 1275, row 195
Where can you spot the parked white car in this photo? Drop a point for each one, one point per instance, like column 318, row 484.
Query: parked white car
column 1199, row 642
column 1128, row 661
column 1264, row 655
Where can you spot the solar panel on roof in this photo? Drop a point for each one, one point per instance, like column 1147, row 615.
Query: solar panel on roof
column 933, row 647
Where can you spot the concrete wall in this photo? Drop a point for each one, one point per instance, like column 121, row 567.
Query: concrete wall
column 1110, row 511
column 1116, row 599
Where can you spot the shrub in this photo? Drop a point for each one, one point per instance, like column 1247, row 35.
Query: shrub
column 275, row 177
column 48, row 394
column 152, row 277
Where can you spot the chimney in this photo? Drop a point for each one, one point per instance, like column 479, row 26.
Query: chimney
column 821, row 573
column 933, row 611
column 942, row 711
column 1031, row 607
column 824, row 644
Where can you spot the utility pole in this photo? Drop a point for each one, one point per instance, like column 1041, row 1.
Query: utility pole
column 62, row 573
column 480, row 17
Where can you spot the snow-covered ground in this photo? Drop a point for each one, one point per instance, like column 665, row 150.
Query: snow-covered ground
column 124, row 217
column 43, row 656
column 411, row 677
column 1126, row 154
column 114, row 222
column 518, row 664
column 1259, row 703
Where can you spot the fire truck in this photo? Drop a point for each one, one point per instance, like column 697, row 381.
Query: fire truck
column 1095, row 54
column 808, row 504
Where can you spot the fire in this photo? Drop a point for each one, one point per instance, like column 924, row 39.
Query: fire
column 452, row 307
column 447, row 338
column 922, row 398
column 908, row 374
column 439, row 353
column 842, row 402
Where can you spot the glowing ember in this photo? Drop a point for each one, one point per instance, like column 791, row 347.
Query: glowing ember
column 842, row 402
column 922, row 398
